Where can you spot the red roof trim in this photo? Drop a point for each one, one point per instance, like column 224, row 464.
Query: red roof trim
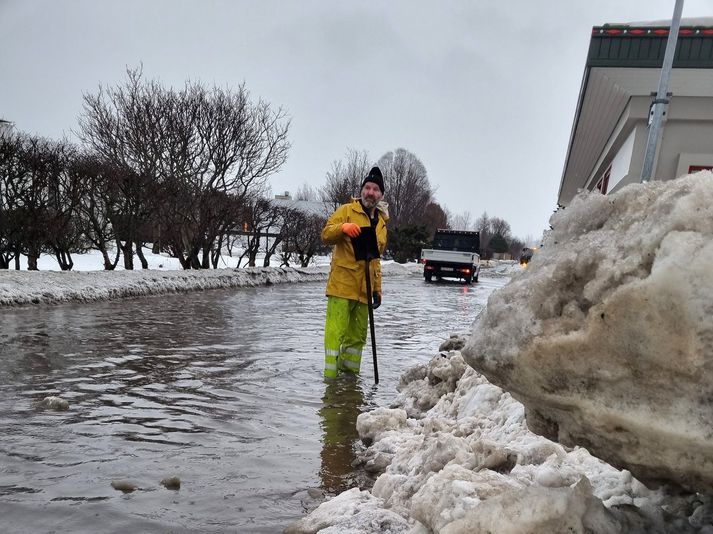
column 624, row 31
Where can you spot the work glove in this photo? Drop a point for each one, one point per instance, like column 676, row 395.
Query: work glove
column 376, row 297
column 351, row 229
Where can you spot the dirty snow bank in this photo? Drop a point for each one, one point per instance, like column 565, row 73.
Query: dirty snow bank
column 607, row 337
column 455, row 456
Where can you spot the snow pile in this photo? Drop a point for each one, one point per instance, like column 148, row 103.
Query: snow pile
column 351, row 512
column 469, row 464
column 607, row 336
column 500, row 268
column 35, row 287
column 43, row 287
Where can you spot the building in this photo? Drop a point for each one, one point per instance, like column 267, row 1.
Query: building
column 5, row 126
column 308, row 207
column 621, row 75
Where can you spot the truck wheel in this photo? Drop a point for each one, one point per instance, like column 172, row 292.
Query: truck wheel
column 468, row 280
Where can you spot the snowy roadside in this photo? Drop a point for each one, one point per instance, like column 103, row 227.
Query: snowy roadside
column 455, row 456
column 87, row 284
column 51, row 287
column 607, row 339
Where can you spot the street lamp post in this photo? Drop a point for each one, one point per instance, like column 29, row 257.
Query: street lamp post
column 660, row 103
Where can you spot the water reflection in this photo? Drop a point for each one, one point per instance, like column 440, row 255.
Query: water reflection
column 343, row 401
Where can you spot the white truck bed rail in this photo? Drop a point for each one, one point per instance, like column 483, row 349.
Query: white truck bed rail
column 450, row 256
column 450, row 264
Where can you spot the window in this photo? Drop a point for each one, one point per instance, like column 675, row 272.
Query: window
column 603, row 182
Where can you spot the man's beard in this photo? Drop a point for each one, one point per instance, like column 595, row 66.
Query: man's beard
column 369, row 203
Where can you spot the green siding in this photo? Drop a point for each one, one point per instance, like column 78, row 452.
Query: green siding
column 692, row 51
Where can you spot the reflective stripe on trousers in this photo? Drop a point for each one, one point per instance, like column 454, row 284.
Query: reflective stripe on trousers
column 344, row 335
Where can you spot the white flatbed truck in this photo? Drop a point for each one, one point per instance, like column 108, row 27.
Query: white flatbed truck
column 454, row 254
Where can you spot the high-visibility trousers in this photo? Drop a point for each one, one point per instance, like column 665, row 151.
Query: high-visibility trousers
column 344, row 335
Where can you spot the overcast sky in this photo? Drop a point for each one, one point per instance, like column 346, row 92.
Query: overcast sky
column 484, row 93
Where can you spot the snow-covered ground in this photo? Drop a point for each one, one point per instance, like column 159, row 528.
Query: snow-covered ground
column 88, row 282
column 92, row 261
column 458, row 458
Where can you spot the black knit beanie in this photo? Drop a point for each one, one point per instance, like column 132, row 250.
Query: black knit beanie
column 376, row 177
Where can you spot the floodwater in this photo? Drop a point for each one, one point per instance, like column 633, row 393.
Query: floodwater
column 222, row 389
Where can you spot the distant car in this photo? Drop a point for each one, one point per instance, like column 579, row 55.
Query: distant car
column 526, row 255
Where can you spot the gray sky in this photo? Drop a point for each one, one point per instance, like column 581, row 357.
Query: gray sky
column 483, row 92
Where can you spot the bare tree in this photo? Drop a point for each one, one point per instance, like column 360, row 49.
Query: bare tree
column 67, row 188
column 501, row 226
column 97, row 207
column 278, row 229
column 306, row 192
column 228, row 219
column 462, row 221
column 39, row 162
column 187, row 147
column 345, row 177
column 11, row 171
column 408, row 189
column 262, row 221
column 302, row 236
column 434, row 217
column 516, row 246
column 495, row 235
column 449, row 217
column 484, row 225
column 39, row 197
column 124, row 126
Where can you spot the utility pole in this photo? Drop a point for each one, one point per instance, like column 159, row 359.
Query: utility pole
column 660, row 104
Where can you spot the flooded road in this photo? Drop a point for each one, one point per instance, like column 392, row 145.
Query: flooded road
column 222, row 389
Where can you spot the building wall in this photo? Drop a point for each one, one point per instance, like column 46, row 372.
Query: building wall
column 629, row 124
column 636, row 157
column 621, row 164
column 694, row 139
column 687, row 139
column 686, row 160
column 5, row 127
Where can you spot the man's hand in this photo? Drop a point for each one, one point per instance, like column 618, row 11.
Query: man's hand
column 351, row 229
column 376, row 297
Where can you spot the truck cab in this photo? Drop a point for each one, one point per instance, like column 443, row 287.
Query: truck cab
column 453, row 254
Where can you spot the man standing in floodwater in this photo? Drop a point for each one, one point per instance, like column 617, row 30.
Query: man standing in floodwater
column 347, row 311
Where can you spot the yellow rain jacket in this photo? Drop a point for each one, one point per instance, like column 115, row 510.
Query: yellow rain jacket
column 347, row 278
